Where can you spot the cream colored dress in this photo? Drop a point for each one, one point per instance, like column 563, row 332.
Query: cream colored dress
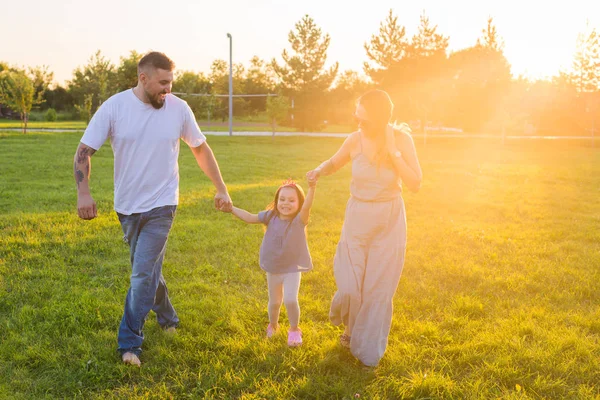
column 369, row 258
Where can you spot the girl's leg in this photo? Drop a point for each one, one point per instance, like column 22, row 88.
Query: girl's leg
column 275, row 284
column 291, row 287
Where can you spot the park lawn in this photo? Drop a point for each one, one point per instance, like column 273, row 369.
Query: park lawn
column 238, row 126
column 499, row 296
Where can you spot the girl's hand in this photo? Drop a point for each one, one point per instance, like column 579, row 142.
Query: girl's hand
column 223, row 202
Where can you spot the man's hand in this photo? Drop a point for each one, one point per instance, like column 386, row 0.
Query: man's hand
column 223, row 202
column 86, row 207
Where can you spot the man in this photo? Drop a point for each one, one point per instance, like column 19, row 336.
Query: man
column 144, row 125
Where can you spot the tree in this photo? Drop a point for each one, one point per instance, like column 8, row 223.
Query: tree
column 585, row 76
column 418, row 82
column 259, row 80
column 219, row 80
column 277, row 110
column 386, row 48
column 490, row 39
column 303, row 75
column 548, row 107
column 85, row 110
column 127, row 75
column 96, row 79
column 348, row 87
column 17, row 91
column 427, row 42
column 586, row 65
column 480, row 80
column 42, row 79
column 58, row 98
column 192, row 83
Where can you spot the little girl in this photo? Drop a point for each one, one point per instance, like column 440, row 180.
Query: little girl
column 284, row 252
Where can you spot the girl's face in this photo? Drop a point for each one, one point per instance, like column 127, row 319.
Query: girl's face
column 287, row 202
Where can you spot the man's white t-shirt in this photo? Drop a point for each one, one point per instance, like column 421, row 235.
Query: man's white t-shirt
column 145, row 143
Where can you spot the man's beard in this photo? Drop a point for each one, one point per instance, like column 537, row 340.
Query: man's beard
column 155, row 101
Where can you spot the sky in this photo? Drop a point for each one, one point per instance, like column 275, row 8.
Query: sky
column 539, row 37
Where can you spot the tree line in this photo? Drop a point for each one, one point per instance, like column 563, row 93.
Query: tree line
column 472, row 89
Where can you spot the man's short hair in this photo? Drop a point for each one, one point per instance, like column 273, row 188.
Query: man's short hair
column 155, row 60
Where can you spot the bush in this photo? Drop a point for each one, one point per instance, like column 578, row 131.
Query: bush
column 51, row 115
column 36, row 116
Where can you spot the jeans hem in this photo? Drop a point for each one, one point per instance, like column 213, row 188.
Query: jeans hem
column 135, row 350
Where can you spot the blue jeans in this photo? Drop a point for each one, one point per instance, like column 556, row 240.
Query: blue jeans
column 146, row 233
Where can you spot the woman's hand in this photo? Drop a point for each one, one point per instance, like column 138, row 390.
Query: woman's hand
column 313, row 176
column 390, row 136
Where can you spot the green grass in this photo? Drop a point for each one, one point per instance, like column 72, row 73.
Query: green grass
column 11, row 124
column 499, row 297
column 239, row 126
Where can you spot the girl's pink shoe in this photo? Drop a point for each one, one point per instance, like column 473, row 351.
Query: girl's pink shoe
column 294, row 338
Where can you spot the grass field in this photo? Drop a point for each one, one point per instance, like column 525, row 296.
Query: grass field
column 16, row 124
column 218, row 126
column 499, row 298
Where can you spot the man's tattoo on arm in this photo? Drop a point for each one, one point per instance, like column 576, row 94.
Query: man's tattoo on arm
column 83, row 153
column 78, row 177
column 78, row 174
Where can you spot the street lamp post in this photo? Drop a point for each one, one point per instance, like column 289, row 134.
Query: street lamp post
column 230, row 84
column 593, row 132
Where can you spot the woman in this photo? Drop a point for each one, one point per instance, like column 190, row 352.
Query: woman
column 370, row 254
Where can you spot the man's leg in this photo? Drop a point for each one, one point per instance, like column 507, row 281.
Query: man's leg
column 147, row 235
column 165, row 313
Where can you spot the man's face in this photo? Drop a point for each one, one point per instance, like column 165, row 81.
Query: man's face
column 157, row 83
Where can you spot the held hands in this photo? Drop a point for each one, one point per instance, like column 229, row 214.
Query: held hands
column 312, row 177
column 223, row 202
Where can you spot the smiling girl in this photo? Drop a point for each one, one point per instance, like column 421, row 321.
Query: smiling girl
column 284, row 253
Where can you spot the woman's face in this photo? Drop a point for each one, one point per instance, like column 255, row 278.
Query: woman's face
column 367, row 126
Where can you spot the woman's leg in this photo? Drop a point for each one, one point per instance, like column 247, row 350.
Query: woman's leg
column 384, row 266
column 349, row 266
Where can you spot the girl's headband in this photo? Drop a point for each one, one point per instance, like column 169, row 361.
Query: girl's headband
column 288, row 183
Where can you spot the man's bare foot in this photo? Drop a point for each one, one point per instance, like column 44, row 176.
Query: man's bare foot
column 171, row 330
column 131, row 359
